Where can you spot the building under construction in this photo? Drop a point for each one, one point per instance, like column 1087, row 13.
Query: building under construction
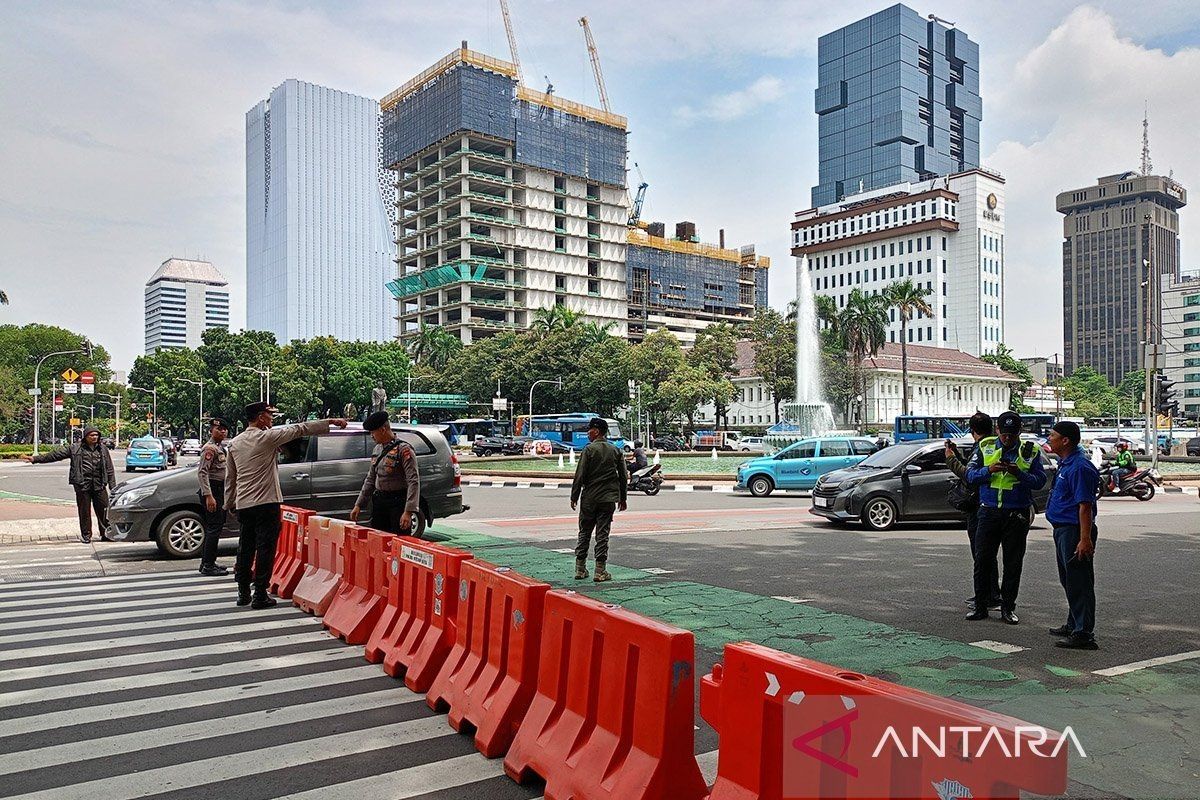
column 684, row 285
column 509, row 200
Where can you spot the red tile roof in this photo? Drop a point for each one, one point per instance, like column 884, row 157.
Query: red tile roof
column 936, row 360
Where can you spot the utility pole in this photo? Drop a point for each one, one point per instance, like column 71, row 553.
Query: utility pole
column 557, row 382
column 154, row 410
column 1153, row 311
column 37, row 397
column 200, row 421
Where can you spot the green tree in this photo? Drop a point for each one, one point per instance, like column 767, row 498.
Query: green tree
column 687, row 387
column 1131, row 392
column 651, row 363
column 909, row 299
column 774, row 343
column 434, row 346
column 1003, row 358
column 863, row 325
column 715, row 351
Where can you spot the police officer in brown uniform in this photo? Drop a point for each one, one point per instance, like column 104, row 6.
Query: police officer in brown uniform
column 393, row 484
column 211, row 475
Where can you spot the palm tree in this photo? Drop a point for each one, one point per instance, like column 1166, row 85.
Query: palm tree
column 434, row 346
column 556, row 318
column 909, row 299
column 863, row 323
column 827, row 313
column 595, row 332
column 3, row 298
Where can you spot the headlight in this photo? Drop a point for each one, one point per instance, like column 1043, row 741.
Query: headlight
column 133, row 496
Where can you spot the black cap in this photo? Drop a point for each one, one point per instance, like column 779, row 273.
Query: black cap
column 1009, row 422
column 1068, row 429
column 599, row 424
column 376, row 420
column 254, row 409
column 218, row 422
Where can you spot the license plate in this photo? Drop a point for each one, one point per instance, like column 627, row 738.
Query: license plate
column 823, row 502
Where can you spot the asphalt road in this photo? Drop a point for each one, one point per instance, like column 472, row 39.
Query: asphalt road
column 728, row 567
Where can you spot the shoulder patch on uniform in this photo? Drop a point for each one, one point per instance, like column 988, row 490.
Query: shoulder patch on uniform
column 208, row 455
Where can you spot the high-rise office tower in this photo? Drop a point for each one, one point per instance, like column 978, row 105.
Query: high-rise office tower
column 898, row 99
column 318, row 239
column 184, row 298
column 510, row 200
column 1111, row 230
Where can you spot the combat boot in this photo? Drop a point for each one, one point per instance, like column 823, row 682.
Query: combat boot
column 243, row 595
column 581, row 571
column 263, row 600
column 601, row 573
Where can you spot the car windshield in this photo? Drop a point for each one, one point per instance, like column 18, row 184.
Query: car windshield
column 888, row 457
column 147, row 444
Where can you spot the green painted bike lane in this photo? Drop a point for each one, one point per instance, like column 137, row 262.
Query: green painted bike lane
column 1139, row 729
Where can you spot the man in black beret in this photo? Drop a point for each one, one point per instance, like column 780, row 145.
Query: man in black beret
column 393, row 484
column 597, row 491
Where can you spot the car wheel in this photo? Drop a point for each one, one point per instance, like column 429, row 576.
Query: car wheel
column 129, row 469
column 761, row 486
column 879, row 514
column 180, row 534
column 419, row 524
column 1145, row 493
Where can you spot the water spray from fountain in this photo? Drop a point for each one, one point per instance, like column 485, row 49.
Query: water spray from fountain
column 808, row 414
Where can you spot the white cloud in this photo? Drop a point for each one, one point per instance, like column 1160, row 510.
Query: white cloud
column 1079, row 96
column 733, row 105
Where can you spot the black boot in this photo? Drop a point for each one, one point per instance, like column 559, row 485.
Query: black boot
column 213, row 570
column 243, row 595
column 263, row 600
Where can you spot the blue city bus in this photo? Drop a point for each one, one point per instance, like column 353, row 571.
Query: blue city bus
column 914, row 428
column 466, row 431
column 569, row 429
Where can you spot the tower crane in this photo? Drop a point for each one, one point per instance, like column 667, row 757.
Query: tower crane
column 512, row 39
column 640, row 198
column 595, row 56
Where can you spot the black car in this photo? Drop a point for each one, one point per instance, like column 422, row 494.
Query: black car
column 1193, row 446
column 496, row 446
column 669, row 443
column 906, row 482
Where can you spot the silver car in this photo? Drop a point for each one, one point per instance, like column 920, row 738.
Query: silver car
column 324, row 473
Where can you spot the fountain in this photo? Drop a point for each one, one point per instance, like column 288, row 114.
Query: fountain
column 808, row 414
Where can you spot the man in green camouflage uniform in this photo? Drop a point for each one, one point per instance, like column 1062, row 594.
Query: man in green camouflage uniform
column 597, row 491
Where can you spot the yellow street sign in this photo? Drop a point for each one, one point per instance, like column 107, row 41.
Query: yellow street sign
column 70, row 375
column 76, row 421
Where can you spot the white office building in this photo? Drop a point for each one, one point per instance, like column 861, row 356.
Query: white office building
column 318, row 239
column 184, row 298
column 945, row 234
column 1181, row 340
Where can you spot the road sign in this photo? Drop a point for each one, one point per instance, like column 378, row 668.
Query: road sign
column 69, row 375
column 58, row 403
column 87, row 383
column 76, row 421
column 35, row 391
column 499, row 404
column 70, row 388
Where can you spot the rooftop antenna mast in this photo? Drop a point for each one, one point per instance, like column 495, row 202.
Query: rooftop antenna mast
column 1147, row 166
column 512, row 40
column 595, row 55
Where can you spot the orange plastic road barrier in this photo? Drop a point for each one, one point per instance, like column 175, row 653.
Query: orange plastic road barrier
column 362, row 592
column 490, row 676
column 325, row 539
column 793, row 729
column 417, row 627
column 612, row 718
column 289, row 551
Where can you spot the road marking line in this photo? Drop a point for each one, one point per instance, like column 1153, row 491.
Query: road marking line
column 564, row 550
column 684, row 487
column 188, row 732
column 184, row 675
column 315, row 636
column 78, row 613
column 998, row 647
column 84, row 586
column 411, row 781
column 239, row 765
column 708, row 766
column 140, row 626
column 108, row 614
column 787, row 599
column 173, row 702
column 250, row 625
column 1125, row 669
column 134, row 594
column 658, row 571
column 129, row 577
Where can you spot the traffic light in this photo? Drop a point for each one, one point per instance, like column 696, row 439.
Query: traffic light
column 1164, row 396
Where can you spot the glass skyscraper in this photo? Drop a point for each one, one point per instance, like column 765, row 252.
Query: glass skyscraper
column 898, row 100
column 318, row 238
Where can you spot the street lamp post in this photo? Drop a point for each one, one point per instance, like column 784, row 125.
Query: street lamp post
column 115, row 401
column 410, row 379
column 37, row 398
column 557, row 382
column 200, row 421
column 263, row 395
column 154, row 411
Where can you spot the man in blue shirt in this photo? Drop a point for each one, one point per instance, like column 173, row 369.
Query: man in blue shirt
column 1072, row 512
column 1006, row 471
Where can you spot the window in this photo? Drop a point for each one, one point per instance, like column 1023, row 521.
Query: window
column 593, row 269
column 834, row 448
column 294, row 452
column 594, row 287
column 343, row 447
column 862, row 448
column 806, row 450
column 560, row 244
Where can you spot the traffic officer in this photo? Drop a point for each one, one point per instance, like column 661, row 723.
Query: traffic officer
column 600, row 482
column 1006, row 471
column 252, row 491
column 211, row 475
column 393, row 484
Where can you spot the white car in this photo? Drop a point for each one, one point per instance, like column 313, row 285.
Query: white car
column 1109, row 443
column 190, row 447
column 751, row 444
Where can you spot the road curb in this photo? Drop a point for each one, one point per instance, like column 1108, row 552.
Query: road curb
column 666, row 487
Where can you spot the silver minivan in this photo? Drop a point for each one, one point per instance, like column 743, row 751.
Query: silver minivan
column 323, row 473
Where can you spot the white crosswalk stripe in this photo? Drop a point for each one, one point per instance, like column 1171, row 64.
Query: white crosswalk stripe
column 123, row 593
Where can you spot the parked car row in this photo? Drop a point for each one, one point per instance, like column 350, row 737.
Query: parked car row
column 512, row 445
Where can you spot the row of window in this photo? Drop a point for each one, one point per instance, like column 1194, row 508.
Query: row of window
column 874, row 252
column 875, row 274
column 879, row 220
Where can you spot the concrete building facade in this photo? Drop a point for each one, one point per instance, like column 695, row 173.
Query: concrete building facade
column 1181, row 340
column 947, row 235
column 898, row 101
column 1110, row 231
column 318, row 239
column 508, row 200
column 1046, row 371
column 941, row 382
column 183, row 299
column 753, row 403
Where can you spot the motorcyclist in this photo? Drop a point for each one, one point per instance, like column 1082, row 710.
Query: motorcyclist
column 638, row 460
column 1124, row 466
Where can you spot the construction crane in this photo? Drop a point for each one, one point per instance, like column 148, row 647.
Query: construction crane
column 512, row 39
column 640, row 198
column 595, row 56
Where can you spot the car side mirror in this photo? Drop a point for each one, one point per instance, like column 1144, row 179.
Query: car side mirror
column 912, row 469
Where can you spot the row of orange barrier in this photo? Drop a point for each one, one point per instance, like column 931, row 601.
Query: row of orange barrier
column 599, row 702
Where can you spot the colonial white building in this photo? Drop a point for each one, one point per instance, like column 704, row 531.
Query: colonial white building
column 941, row 382
column 753, row 404
column 945, row 234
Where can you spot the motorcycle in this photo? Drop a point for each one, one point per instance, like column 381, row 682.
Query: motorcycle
column 648, row 479
column 1140, row 483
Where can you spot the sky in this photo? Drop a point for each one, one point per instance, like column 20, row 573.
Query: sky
column 122, row 124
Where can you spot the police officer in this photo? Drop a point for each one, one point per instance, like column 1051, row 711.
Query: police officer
column 211, row 475
column 1006, row 471
column 599, row 488
column 252, row 490
column 393, row 484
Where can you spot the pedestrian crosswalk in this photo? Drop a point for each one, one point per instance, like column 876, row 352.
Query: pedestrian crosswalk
column 156, row 685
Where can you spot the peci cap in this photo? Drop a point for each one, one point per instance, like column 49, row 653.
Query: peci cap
column 375, row 421
column 599, row 424
column 218, row 422
column 1009, row 422
column 1070, row 430
column 254, row 409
